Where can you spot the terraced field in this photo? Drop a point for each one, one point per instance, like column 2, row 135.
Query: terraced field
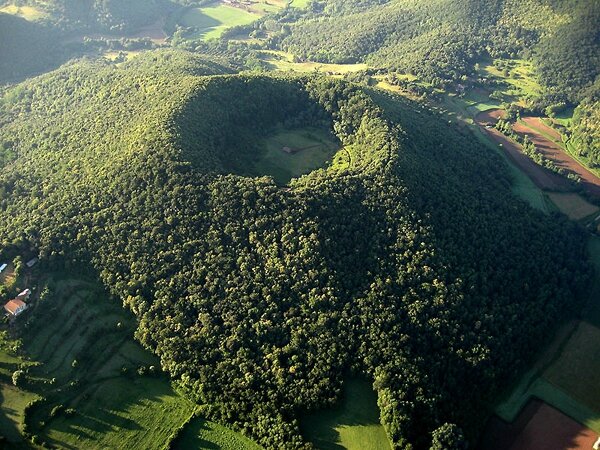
column 100, row 389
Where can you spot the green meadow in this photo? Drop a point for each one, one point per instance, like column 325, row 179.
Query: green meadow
column 353, row 425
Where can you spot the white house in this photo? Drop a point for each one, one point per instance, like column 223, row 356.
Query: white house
column 24, row 295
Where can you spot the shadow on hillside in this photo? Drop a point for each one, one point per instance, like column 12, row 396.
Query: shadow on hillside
column 358, row 407
column 8, row 428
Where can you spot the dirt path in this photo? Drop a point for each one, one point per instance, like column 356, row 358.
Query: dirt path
column 543, row 178
column 552, row 151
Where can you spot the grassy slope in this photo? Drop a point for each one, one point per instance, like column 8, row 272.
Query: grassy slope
column 354, row 425
column 283, row 61
column 211, row 21
column 202, row 433
column 114, row 406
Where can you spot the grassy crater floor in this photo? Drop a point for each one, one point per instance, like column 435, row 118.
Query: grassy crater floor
column 287, row 154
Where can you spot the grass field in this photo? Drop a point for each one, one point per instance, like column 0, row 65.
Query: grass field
column 211, row 21
column 573, row 205
column 518, row 74
column 202, row 433
column 315, row 147
column 83, row 358
column 354, row 425
column 299, row 3
column 283, row 61
column 12, row 407
column 26, row 12
column 580, row 356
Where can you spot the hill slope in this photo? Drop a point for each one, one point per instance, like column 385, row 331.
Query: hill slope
column 441, row 40
column 411, row 262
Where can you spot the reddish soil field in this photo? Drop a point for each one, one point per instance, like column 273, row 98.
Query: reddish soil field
column 543, row 178
column 536, row 122
column 500, row 435
column 489, row 117
column 589, row 181
column 538, row 427
column 549, row 429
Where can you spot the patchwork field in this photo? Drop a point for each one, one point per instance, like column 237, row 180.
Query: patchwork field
column 538, row 427
column 100, row 388
column 209, row 22
column 556, row 153
column 565, row 376
column 307, row 149
column 354, row 425
column 543, row 178
column 573, row 205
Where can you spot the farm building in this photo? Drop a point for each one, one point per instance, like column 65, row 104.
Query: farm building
column 31, row 262
column 24, row 295
column 15, row 307
column 2, row 267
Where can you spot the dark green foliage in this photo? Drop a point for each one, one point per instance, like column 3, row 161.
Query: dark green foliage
column 448, row 437
column 569, row 60
column 586, row 126
column 27, row 48
column 414, row 265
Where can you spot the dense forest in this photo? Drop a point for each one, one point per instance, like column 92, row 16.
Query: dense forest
column 412, row 265
column 100, row 15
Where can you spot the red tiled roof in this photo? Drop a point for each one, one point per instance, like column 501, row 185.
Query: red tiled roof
column 13, row 305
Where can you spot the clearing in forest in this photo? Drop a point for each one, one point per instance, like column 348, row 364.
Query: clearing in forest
column 283, row 61
column 26, row 12
column 209, row 22
column 290, row 153
column 353, row 425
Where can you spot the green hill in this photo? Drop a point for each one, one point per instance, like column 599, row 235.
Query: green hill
column 404, row 258
column 441, row 40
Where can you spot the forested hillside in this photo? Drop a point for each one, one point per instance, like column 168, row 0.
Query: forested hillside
column 441, row 40
column 411, row 264
column 99, row 15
